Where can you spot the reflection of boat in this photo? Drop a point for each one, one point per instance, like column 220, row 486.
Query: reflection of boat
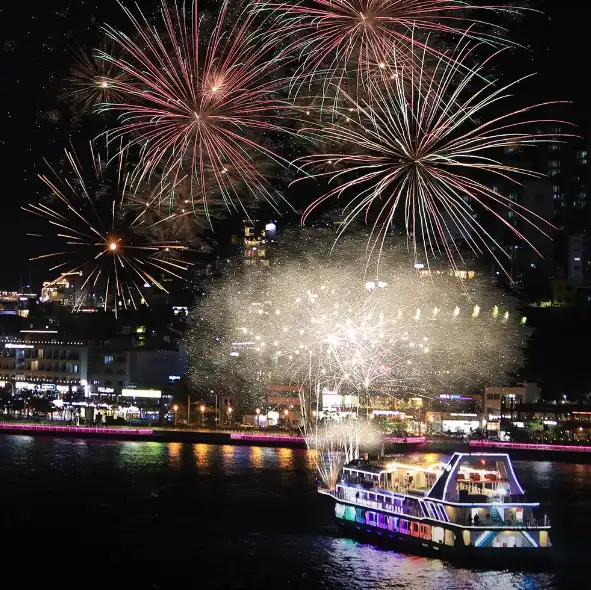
column 471, row 507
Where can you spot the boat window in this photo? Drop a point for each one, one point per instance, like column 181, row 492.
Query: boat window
column 450, row 538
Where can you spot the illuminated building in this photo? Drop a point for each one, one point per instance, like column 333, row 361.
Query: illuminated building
column 112, row 370
column 454, row 422
column 38, row 360
column 63, row 290
column 500, row 402
column 257, row 241
column 13, row 303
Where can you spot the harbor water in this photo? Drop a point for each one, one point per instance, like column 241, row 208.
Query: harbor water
column 99, row 514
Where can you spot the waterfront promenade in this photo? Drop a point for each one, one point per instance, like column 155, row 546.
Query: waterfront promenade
column 251, row 437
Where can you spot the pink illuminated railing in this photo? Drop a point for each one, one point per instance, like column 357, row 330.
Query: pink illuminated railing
column 75, row 429
column 530, row 446
column 267, row 437
column 405, row 439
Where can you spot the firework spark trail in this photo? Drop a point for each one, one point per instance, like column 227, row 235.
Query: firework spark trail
column 334, row 39
column 334, row 444
column 177, row 211
column 317, row 322
column 417, row 149
column 198, row 104
column 102, row 240
column 92, row 81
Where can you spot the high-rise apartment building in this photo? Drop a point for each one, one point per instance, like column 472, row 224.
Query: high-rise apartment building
column 558, row 199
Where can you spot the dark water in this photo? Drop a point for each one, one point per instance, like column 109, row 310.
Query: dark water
column 85, row 514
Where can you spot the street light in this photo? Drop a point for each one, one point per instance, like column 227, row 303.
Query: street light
column 286, row 414
column 230, row 415
column 202, row 410
column 176, row 409
column 258, row 412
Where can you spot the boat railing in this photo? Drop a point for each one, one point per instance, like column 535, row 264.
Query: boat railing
column 392, row 508
column 532, row 522
column 522, row 524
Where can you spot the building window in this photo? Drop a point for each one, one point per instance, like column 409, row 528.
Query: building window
column 108, row 359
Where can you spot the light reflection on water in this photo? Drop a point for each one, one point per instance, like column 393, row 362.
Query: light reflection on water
column 249, row 510
column 257, row 457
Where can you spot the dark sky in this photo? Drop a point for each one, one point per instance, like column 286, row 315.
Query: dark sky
column 35, row 124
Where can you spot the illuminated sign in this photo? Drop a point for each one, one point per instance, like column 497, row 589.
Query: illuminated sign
column 173, row 378
column 25, row 385
column 18, row 346
column 38, row 331
column 150, row 393
column 106, row 390
column 453, row 397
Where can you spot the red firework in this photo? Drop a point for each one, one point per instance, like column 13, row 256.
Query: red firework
column 335, row 38
column 199, row 100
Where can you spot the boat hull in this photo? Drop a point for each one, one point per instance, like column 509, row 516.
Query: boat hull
column 481, row 557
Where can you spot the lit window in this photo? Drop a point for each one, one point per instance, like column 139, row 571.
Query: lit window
column 108, row 359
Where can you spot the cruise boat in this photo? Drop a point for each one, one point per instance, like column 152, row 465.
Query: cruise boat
column 472, row 507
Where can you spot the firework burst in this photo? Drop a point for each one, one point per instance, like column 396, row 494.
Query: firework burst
column 334, row 40
column 317, row 321
column 418, row 150
column 200, row 99
column 103, row 241
column 174, row 212
column 323, row 321
column 92, row 80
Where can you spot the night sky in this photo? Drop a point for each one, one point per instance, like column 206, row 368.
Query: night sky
column 35, row 124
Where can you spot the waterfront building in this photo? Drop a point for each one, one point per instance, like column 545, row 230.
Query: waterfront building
column 113, row 370
column 39, row 359
column 454, row 422
column 16, row 303
column 498, row 398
